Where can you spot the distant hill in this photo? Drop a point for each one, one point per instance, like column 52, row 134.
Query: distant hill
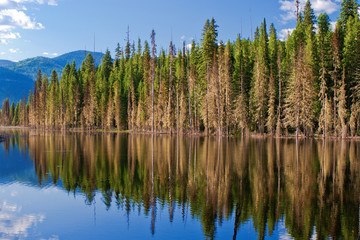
column 78, row 56
column 31, row 66
column 13, row 85
column 17, row 78
column 6, row 63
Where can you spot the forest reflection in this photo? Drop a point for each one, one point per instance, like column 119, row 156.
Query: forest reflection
column 312, row 186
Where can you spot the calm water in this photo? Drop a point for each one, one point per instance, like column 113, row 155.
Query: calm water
column 118, row 186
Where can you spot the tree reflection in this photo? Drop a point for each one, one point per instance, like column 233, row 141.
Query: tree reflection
column 310, row 185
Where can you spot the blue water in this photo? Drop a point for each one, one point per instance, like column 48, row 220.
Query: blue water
column 34, row 206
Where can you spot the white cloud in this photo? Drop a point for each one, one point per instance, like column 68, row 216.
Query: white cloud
column 5, row 28
column 9, row 35
column 50, row 54
column 188, row 46
column 12, row 50
column 8, row 4
column 13, row 225
column 182, row 37
column 52, row 3
column 49, row 2
column 333, row 25
column 319, row 6
column 327, row 6
column 16, row 18
column 284, row 33
column 13, row 16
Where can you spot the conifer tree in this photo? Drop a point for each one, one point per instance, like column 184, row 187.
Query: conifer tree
column 261, row 78
column 240, row 112
column 227, row 89
column 53, row 105
column 5, row 111
column 325, row 120
column 300, row 94
column 153, row 66
column 170, row 108
column 336, row 47
column 209, row 49
column 341, row 109
column 273, row 55
column 279, row 123
column 89, row 109
column 349, row 9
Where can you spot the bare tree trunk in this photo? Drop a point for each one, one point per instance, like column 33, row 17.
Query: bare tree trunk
column 177, row 111
column 207, row 101
column 152, row 98
column 189, row 99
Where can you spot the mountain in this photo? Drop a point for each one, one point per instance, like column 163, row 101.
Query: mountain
column 31, row 66
column 6, row 63
column 17, row 78
column 78, row 56
column 13, row 85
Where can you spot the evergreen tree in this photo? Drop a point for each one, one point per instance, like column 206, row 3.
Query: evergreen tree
column 349, row 9
column 209, row 49
column 89, row 109
column 325, row 120
column 261, row 78
column 273, row 82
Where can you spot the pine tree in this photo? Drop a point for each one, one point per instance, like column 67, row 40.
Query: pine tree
column 261, row 78
column 349, row 9
column 273, row 82
column 193, row 84
column 6, row 112
column 145, row 90
column 110, row 112
column 279, row 123
column 89, row 109
column 351, row 55
column 38, row 107
column 209, row 49
column 242, row 57
column 226, row 81
column 299, row 104
column 336, row 47
column 153, row 66
column 342, row 112
column 53, row 104
column 170, row 108
column 43, row 99
column 325, row 122
column 271, row 118
column 182, row 89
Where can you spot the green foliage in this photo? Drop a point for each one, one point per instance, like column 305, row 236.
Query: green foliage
column 263, row 85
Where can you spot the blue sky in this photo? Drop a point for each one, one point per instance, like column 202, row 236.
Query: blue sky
column 30, row 28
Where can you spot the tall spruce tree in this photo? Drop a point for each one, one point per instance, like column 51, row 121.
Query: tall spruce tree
column 261, row 78
column 209, row 49
column 326, row 119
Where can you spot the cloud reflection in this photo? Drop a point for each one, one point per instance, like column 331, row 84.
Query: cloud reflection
column 13, row 225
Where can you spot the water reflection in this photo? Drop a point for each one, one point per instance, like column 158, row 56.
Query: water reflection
column 310, row 186
column 13, row 225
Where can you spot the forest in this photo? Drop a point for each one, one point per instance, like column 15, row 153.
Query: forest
column 306, row 85
column 311, row 186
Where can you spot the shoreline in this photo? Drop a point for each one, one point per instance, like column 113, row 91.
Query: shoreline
column 251, row 135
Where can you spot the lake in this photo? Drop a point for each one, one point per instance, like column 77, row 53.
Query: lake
column 127, row 186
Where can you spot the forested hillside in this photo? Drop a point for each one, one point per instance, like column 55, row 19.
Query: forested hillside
column 30, row 66
column 304, row 85
column 14, row 85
